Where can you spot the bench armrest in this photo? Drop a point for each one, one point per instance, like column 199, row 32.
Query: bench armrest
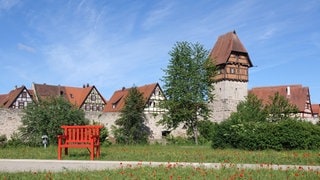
column 62, row 136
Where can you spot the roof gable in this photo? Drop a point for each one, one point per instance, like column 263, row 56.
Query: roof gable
column 225, row 45
column 75, row 95
column 6, row 100
column 117, row 100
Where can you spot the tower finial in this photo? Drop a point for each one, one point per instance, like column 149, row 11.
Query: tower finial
column 234, row 32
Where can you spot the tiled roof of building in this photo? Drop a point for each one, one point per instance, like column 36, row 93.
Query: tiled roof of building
column 6, row 100
column 225, row 45
column 74, row 95
column 316, row 109
column 77, row 96
column 296, row 94
column 117, row 100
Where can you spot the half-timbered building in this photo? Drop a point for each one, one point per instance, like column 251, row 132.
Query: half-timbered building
column 152, row 95
column 18, row 98
column 87, row 97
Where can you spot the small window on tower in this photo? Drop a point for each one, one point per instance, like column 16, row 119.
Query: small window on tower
column 232, row 71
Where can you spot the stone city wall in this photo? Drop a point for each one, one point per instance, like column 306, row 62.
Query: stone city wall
column 10, row 121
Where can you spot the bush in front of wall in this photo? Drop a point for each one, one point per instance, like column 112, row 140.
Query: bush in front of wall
column 287, row 134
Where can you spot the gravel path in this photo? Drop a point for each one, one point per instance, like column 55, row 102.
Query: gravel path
column 18, row 165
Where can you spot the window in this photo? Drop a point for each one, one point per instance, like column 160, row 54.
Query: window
column 93, row 97
column 87, row 107
column 24, row 95
column 21, row 105
column 232, row 70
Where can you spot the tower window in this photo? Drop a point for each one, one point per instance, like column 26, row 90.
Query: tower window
column 232, row 70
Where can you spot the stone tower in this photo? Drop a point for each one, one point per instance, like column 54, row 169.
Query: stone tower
column 231, row 86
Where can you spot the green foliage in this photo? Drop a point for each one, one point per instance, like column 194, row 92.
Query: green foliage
column 132, row 128
column 187, row 86
column 280, row 108
column 257, row 127
column 3, row 140
column 287, row 134
column 104, row 134
column 46, row 118
column 251, row 109
column 170, row 140
column 207, row 130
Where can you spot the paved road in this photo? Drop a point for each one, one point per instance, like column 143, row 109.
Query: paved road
column 18, row 165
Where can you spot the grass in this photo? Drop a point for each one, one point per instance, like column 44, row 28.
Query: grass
column 169, row 153
column 164, row 172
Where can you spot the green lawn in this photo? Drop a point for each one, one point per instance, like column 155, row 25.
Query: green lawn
column 165, row 172
column 171, row 153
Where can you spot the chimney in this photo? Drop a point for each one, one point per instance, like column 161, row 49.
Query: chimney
column 288, row 91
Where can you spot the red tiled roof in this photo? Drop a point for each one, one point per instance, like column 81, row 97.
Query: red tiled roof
column 117, row 100
column 225, row 45
column 316, row 109
column 74, row 95
column 77, row 96
column 6, row 100
column 2, row 98
column 296, row 94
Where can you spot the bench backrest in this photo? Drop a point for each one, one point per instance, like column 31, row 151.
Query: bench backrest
column 80, row 133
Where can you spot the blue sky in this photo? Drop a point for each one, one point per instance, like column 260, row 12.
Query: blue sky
column 121, row 43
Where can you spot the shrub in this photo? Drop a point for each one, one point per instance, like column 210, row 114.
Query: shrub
column 3, row 140
column 287, row 134
column 207, row 130
column 46, row 117
column 15, row 140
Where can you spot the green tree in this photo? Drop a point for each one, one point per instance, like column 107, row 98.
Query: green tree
column 46, row 117
column 251, row 109
column 280, row 108
column 188, row 87
column 132, row 128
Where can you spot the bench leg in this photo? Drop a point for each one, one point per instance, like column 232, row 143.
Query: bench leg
column 98, row 151
column 59, row 153
column 92, row 153
column 66, row 152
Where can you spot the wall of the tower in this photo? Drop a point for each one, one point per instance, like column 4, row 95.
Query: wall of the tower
column 228, row 94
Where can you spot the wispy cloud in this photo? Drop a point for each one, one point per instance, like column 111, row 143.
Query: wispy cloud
column 158, row 14
column 26, row 48
column 8, row 4
column 267, row 34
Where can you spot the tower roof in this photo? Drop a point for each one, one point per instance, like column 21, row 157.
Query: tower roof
column 226, row 44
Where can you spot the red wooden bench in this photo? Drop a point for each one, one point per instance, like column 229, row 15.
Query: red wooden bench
column 86, row 136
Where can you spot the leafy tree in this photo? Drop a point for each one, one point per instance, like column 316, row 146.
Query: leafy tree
column 132, row 129
column 251, row 109
column 46, row 117
column 188, row 87
column 279, row 108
